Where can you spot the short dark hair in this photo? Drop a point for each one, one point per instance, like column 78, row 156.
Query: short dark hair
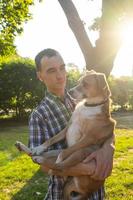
column 46, row 52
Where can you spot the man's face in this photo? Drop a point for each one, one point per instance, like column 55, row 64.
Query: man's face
column 53, row 74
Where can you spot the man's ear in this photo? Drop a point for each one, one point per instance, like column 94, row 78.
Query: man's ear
column 39, row 76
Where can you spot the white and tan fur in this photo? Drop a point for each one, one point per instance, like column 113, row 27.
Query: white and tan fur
column 90, row 126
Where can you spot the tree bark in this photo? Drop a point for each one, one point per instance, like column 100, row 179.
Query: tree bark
column 78, row 30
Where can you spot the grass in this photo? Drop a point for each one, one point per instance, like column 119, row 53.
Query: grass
column 120, row 184
column 21, row 179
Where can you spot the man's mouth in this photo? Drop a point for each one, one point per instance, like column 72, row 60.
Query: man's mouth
column 60, row 82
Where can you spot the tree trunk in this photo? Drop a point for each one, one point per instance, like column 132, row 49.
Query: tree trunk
column 101, row 57
column 78, row 29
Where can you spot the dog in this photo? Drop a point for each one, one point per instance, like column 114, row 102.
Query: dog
column 90, row 126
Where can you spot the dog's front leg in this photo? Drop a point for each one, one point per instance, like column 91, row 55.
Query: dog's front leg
column 84, row 142
column 47, row 158
column 67, row 152
column 64, row 154
column 36, row 151
column 43, row 147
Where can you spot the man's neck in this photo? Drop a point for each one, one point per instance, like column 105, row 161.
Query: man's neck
column 58, row 93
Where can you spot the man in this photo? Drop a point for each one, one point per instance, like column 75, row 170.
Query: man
column 52, row 115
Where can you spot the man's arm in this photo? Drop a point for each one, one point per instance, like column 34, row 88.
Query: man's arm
column 36, row 133
column 104, row 159
column 98, row 164
column 77, row 170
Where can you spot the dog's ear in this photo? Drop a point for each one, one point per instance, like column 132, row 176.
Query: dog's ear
column 103, row 84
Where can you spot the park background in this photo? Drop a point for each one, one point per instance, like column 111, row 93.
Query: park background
column 22, row 36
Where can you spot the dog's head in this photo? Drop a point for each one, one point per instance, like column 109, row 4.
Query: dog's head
column 91, row 86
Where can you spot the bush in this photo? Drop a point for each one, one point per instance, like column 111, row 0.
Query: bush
column 19, row 88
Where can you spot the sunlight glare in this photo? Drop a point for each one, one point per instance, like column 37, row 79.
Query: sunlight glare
column 127, row 33
column 123, row 64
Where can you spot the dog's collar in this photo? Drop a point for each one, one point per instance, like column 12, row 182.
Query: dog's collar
column 95, row 104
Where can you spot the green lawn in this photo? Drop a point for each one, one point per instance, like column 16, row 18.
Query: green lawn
column 21, row 179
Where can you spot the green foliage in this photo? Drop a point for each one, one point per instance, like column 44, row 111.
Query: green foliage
column 120, row 95
column 73, row 75
column 13, row 13
column 131, row 101
column 19, row 88
column 122, row 91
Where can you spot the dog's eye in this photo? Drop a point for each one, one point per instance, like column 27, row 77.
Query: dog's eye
column 85, row 84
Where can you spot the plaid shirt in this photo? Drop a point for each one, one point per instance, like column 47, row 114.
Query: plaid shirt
column 49, row 118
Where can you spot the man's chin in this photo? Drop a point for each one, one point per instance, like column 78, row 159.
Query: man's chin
column 60, row 86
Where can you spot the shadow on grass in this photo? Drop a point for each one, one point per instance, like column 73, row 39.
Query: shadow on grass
column 35, row 188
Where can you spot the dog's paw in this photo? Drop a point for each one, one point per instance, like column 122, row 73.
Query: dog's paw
column 37, row 159
column 36, row 151
column 61, row 156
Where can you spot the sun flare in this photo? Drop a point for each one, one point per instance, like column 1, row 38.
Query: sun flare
column 123, row 64
column 127, row 33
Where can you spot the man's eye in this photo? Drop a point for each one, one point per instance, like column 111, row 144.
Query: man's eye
column 51, row 71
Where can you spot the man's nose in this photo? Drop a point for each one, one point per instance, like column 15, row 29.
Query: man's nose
column 59, row 74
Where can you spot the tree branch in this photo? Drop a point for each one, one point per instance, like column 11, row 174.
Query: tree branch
column 78, row 29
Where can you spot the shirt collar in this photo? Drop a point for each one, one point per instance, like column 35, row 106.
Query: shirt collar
column 55, row 97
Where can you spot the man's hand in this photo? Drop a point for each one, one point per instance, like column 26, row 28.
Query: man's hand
column 104, row 160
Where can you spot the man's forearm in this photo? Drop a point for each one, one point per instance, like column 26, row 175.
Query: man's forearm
column 87, row 168
column 78, row 170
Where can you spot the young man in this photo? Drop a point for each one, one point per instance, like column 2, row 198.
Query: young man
column 52, row 115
